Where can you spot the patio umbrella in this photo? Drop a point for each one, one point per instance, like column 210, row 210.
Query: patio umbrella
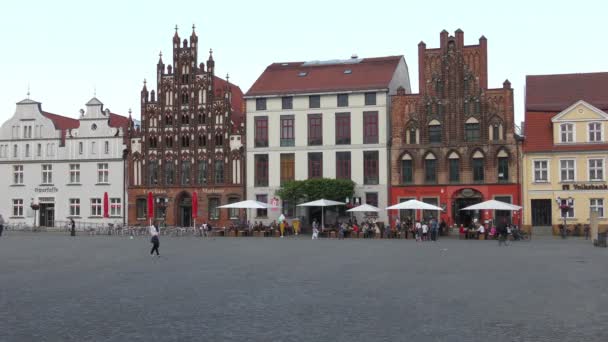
column 493, row 205
column 321, row 203
column 247, row 204
column 414, row 205
column 194, row 208
column 106, row 205
column 150, row 206
column 365, row 208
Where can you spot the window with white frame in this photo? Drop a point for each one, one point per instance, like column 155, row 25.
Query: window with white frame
column 570, row 212
column 596, row 169
column 115, row 207
column 95, row 206
column 17, row 174
column 102, row 173
column 27, row 150
column 47, row 174
column 595, row 132
column 597, row 204
column 567, row 167
column 74, row 206
column 541, row 171
column 74, row 173
column 18, row 207
column 566, row 133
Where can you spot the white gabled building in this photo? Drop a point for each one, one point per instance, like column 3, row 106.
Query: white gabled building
column 63, row 165
column 321, row 119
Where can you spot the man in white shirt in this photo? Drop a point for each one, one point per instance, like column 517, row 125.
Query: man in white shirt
column 481, row 230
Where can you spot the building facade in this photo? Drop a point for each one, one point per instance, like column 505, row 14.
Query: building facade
column 454, row 144
column 189, row 143
column 565, row 150
column 321, row 119
column 58, row 168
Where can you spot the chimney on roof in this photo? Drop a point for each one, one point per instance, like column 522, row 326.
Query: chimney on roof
column 354, row 56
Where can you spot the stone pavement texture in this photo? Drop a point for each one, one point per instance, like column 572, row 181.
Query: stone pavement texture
column 57, row 288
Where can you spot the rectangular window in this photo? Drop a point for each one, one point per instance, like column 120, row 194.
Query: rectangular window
column 202, row 172
column 95, row 206
column 263, row 199
column 214, row 211
column 93, row 148
column 47, row 174
column 261, row 170
column 38, row 150
column 342, row 128
column 478, row 174
column 596, row 169
column 115, row 207
column 153, row 173
column 18, row 207
column 80, row 148
column 495, row 133
column 370, row 167
column 567, row 133
column 261, row 131
column 314, row 101
column 570, row 212
column 287, row 102
column 472, row 131
column 370, row 127
column 370, row 99
column 435, row 134
column 597, row 204
column 407, row 171
column 430, row 171
column 169, row 173
column 287, row 130
column 260, row 104
column 74, row 173
column 141, row 206
column 185, row 171
column 371, row 198
column 103, row 173
column 343, row 165
column 541, row 171
column 342, row 100
column 106, row 147
column 315, row 165
column 289, row 208
column 567, row 168
column 74, row 206
column 17, row 174
column 15, row 151
column 454, row 170
column 219, row 172
column 413, row 135
column 503, row 169
column 288, row 171
column 315, row 129
column 595, row 132
column 27, row 150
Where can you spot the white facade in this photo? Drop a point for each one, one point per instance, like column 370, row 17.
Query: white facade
column 329, row 148
column 62, row 164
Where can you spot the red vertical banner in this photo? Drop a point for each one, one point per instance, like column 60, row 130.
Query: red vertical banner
column 106, row 205
column 150, row 205
column 194, row 205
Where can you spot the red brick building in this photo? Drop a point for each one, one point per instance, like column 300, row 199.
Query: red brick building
column 454, row 144
column 190, row 141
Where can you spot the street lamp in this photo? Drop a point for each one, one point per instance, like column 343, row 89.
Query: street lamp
column 565, row 207
column 35, row 207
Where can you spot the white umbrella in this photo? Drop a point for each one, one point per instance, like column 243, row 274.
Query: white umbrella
column 365, row 208
column 321, row 203
column 248, row 204
column 493, row 205
column 414, row 204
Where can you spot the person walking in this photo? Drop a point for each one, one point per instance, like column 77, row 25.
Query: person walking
column 315, row 229
column 72, row 227
column 1, row 224
column 155, row 241
column 418, row 231
column 503, row 234
column 425, row 232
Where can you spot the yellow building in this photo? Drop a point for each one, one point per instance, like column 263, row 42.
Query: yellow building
column 564, row 165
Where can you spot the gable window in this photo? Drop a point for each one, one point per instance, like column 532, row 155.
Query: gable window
column 370, row 99
column 595, row 132
column 342, row 100
column 288, row 161
column 566, row 133
column 596, row 169
column 343, row 165
column 567, row 167
column 370, row 127
column 260, row 104
column 434, row 132
column 261, row 131
column 287, row 102
column 472, row 131
column 430, row 169
column 315, row 129
column 478, row 172
column 342, row 128
column 287, row 130
column 541, row 171
column 261, row 170
column 454, row 167
column 407, row 169
column 314, row 101
column 315, row 165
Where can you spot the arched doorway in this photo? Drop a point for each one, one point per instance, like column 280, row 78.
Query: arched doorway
column 184, row 210
column 462, row 199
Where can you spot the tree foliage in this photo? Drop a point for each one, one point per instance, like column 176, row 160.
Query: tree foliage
column 317, row 188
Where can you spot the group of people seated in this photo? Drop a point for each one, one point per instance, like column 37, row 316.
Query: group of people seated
column 476, row 230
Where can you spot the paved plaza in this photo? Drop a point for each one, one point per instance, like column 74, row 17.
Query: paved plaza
column 57, row 288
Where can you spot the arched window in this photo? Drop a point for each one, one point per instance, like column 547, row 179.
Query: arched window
column 478, row 171
column 430, row 168
column 168, row 120
column 434, row 132
column 219, row 139
column 503, row 166
column 454, row 167
column 412, row 135
column 407, row 169
column 472, row 130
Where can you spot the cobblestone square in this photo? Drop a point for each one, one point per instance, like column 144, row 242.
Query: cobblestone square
column 57, row 288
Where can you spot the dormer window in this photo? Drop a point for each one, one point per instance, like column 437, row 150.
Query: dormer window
column 595, row 132
column 566, row 133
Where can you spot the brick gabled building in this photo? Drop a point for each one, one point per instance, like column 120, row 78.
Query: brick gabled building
column 454, row 143
column 190, row 141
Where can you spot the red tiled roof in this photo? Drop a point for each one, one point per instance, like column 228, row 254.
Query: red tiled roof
column 554, row 93
column 539, row 135
column 284, row 78
column 238, row 103
column 62, row 122
column 118, row 120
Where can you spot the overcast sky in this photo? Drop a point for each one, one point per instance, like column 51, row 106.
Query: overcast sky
column 65, row 50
